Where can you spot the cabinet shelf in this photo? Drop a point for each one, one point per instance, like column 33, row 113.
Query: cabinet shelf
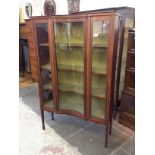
column 46, row 66
column 71, row 101
column 69, row 84
column 78, row 68
column 44, row 44
column 71, row 88
column 71, row 67
column 98, row 49
column 70, row 78
column 71, row 44
column 99, row 71
column 48, row 86
column 98, row 108
column 98, row 92
column 100, row 45
column 81, row 92
column 78, row 44
column 49, row 104
column 71, row 91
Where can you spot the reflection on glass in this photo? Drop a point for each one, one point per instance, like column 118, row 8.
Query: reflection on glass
column 69, row 38
column 99, row 68
column 45, row 68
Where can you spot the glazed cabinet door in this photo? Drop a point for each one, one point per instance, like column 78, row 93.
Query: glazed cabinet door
column 70, row 54
column 100, row 28
column 44, row 64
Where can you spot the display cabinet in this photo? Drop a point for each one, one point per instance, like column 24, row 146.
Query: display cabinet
column 76, row 60
column 127, row 22
column 127, row 115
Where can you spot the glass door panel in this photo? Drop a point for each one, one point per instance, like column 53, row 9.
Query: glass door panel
column 69, row 40
column 45, row 64
column 99, row 68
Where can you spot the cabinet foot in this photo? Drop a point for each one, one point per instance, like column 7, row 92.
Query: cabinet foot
column 52, row 114
column 43, row 127
column 106, row 133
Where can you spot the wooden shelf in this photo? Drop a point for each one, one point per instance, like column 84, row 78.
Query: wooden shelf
column 95, row 70
column 72, row 91
column 80, row 44
column 71, row 67
column 99, row 71
column 44, row 44
column 47, row 66
column 71, row 88
column 100, row 45
column 70, row 78
column 48, row 86
column 49, row 104
column 71, row 102
column 70, row 85
column 98, row 49
column 98, row 92
column 98, row 108
column 74, row 44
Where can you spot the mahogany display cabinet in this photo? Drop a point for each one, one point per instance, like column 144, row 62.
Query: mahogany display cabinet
column 127, row 21
column 76, row 60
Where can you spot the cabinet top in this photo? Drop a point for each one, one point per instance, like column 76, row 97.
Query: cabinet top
column 87, row 14
column 112, row 9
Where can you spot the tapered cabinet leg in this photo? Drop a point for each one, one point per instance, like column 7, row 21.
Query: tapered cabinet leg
column 110, row 125
column 42, row 119
column 106, row 135
column 52, row 114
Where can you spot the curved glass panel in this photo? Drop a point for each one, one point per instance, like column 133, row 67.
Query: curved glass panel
column 99, row 68
column 69, row 39
column 45, row 65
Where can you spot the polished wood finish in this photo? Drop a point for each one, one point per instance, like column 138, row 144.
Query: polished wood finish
column 127, row 115
column 54, row 105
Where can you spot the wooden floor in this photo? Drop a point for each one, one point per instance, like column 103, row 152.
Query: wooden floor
column 25, row 80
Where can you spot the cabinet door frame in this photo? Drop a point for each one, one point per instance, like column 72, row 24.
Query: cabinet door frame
column 69, row 19
column 110, row 67
column 47, row 21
